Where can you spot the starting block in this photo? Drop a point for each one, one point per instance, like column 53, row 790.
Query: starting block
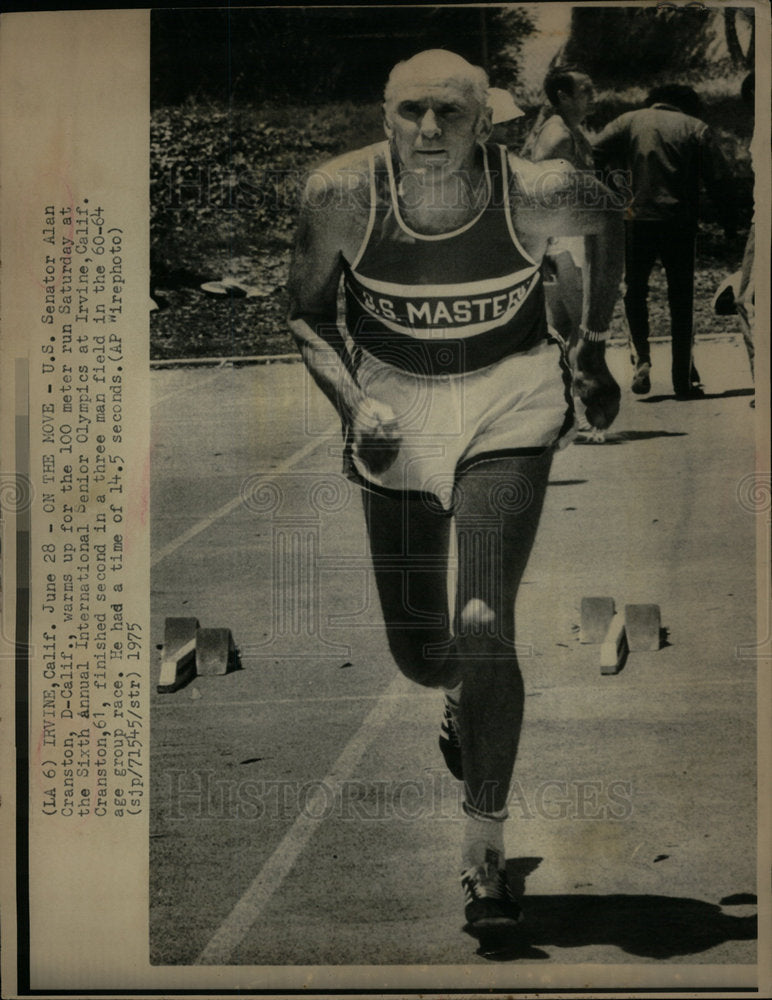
column 215, row 651
column 596, row 614
column 178, row 658
column 642, row 627
column 190, row 651
column 613, row 652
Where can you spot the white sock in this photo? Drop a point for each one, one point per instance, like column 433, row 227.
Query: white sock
column 483, row 842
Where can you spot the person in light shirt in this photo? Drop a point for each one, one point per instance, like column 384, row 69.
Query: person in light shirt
column 558, row 133
column 505, row 117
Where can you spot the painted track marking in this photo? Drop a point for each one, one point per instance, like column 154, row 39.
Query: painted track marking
column 201, row 383
column 247, row 911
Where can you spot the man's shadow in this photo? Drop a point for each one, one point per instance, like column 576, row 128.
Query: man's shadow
column 646, row 926
column 708, row 395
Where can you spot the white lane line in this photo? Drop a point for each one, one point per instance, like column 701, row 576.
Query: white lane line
column 247, row 911
column 328, row 700
column 200, row 383
column 231, row 505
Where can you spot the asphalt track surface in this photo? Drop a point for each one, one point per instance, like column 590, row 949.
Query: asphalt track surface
column 301, row 813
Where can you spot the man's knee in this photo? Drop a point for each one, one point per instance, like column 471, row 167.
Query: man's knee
column 481, row 632
column 420, row 658
column 476, row 618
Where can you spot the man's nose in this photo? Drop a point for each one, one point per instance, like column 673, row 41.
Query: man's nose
column 429, row 125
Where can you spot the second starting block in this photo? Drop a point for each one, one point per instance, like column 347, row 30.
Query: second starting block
column 637, row 630
column 642, row 625
column 190, row 651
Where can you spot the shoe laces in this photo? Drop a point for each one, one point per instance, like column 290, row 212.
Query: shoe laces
column 485, row 882
column 450, row 722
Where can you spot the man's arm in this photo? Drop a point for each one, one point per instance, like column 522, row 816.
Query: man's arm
column 553, row 199
column 609, row 147
column 333, row 220
column 560, row 201
column 554, row 142
column 718, row 181
column 326, row 222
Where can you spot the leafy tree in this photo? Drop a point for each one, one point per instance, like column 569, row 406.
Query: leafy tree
column 634, row 45
column 317, row 54
column 739, row 55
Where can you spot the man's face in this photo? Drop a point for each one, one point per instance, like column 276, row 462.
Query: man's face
column 435, row 125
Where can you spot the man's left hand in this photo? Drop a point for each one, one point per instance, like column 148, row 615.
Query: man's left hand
column 595, row 384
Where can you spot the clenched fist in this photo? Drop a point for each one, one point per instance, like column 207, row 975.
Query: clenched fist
column 375, row 435
column 595, row 385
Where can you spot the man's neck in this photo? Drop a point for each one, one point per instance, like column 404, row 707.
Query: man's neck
column 435, row 202
column 573, row 124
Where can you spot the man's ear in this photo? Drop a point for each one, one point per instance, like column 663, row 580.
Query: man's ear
column 386, row 123
column 484, row 124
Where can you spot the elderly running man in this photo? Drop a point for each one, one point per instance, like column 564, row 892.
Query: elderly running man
column 453, row 396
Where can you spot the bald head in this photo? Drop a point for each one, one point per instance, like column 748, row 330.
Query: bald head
column 434, row 67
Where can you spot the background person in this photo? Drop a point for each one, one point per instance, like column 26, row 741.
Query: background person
column 745, row 301
column 558, row 133
column 669, row 152
column 505, row 117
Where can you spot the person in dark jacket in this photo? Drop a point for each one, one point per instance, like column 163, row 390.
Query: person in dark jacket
column 669, row 151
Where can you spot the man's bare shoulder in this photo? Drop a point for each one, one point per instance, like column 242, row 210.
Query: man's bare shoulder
column 555, row 129
column 540, row 180
column 347, row 174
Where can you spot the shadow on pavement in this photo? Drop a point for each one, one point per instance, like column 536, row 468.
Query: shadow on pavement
column 646, row 926
column 620, row 437
column 708, row 395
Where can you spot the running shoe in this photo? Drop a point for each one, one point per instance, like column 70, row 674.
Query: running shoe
column 450, row 739
column 488, row 900
column 642, row 379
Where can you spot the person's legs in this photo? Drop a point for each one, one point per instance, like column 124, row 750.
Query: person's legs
column 640, row 255
column 499, row 505
column 564, row 312
column 677, row 253
column 564, row 299
column 557, row 317
column 745, row 301
column 498, row 508
column 409, row 544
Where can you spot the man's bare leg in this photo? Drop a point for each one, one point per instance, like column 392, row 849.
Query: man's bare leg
column 409, row 545
column 499, row 509
column 500, row 505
